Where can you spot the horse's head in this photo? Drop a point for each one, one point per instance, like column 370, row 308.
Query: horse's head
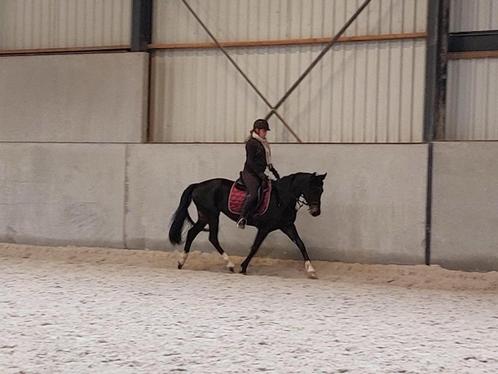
column 313, row 192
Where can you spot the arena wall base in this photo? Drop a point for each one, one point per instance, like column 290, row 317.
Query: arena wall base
column 465, row 205
column 373, row 208
column 62, row 194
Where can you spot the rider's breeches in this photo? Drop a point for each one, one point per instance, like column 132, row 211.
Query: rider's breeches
column 252, row 184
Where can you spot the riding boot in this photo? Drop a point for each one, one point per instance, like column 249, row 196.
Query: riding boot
column 246, row 212
column 241, row 223
column 252, row 183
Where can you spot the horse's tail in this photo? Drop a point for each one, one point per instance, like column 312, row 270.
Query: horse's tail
column 181, row 214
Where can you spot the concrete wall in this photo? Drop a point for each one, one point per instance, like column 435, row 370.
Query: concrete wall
column 465, row 205
column 74, row 98
column 124, row 195
column 373, row 207
column 62, row 194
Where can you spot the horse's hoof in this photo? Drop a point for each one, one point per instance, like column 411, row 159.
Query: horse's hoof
column 179, row 266
column 312, row 275
column 243, row 272
column 231, row 268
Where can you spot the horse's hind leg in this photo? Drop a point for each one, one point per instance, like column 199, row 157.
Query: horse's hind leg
column 213, row 238
column 192, row 233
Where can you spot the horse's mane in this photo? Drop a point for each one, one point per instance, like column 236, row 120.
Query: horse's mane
column 289, row 179
column 284, row 185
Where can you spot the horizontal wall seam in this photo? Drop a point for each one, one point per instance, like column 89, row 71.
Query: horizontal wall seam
column 116, row 48
column 287, row 42
column 472, row 55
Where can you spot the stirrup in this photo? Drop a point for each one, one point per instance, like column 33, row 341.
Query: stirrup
column 241, row 223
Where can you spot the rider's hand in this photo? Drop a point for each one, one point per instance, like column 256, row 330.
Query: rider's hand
column 275, row 173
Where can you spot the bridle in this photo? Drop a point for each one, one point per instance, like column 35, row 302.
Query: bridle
column 301, row 201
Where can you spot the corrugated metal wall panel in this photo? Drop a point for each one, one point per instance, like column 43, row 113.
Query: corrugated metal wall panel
column 361, row 92
column 34, row 24
column 473, row 15
column 283, row 19
column 472, row 104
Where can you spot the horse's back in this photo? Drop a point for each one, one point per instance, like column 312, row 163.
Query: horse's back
column 214, row 184
column 216, row 181
column 211, row 191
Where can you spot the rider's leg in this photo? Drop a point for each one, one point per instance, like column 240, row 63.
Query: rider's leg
column 252, row 183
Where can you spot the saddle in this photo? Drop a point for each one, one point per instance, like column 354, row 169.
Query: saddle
column 238, row 193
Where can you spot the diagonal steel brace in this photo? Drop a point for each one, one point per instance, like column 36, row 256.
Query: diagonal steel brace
column 258, row 92
column 318, row 58
column 299, row 80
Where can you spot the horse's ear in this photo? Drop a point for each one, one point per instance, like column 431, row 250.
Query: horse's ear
column 322, row 177
column 314, row 174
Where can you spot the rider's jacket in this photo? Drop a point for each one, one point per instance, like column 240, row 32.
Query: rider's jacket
column 255, row 158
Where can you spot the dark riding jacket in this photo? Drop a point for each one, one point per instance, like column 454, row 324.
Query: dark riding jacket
column 255, row 158
column 256, row 162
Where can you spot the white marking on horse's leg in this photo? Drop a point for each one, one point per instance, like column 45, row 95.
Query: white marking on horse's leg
column 228, row 261
column 182, row 260
column 310, row 269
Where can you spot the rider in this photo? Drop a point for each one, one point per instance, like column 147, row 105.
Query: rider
column 258, row 158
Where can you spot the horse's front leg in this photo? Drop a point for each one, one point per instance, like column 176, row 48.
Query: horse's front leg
column 260, row 236
column 213, row 238
column 293, row 235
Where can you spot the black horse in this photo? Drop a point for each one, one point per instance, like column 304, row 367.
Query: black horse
column 211, row 198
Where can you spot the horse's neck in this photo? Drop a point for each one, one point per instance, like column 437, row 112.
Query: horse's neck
column 291, row 187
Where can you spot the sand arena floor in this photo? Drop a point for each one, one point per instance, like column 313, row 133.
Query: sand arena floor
column 88, row 310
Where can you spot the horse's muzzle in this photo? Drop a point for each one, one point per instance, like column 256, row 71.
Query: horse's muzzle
column 315, row 210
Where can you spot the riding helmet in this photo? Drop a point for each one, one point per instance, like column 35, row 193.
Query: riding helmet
column 261, row 124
